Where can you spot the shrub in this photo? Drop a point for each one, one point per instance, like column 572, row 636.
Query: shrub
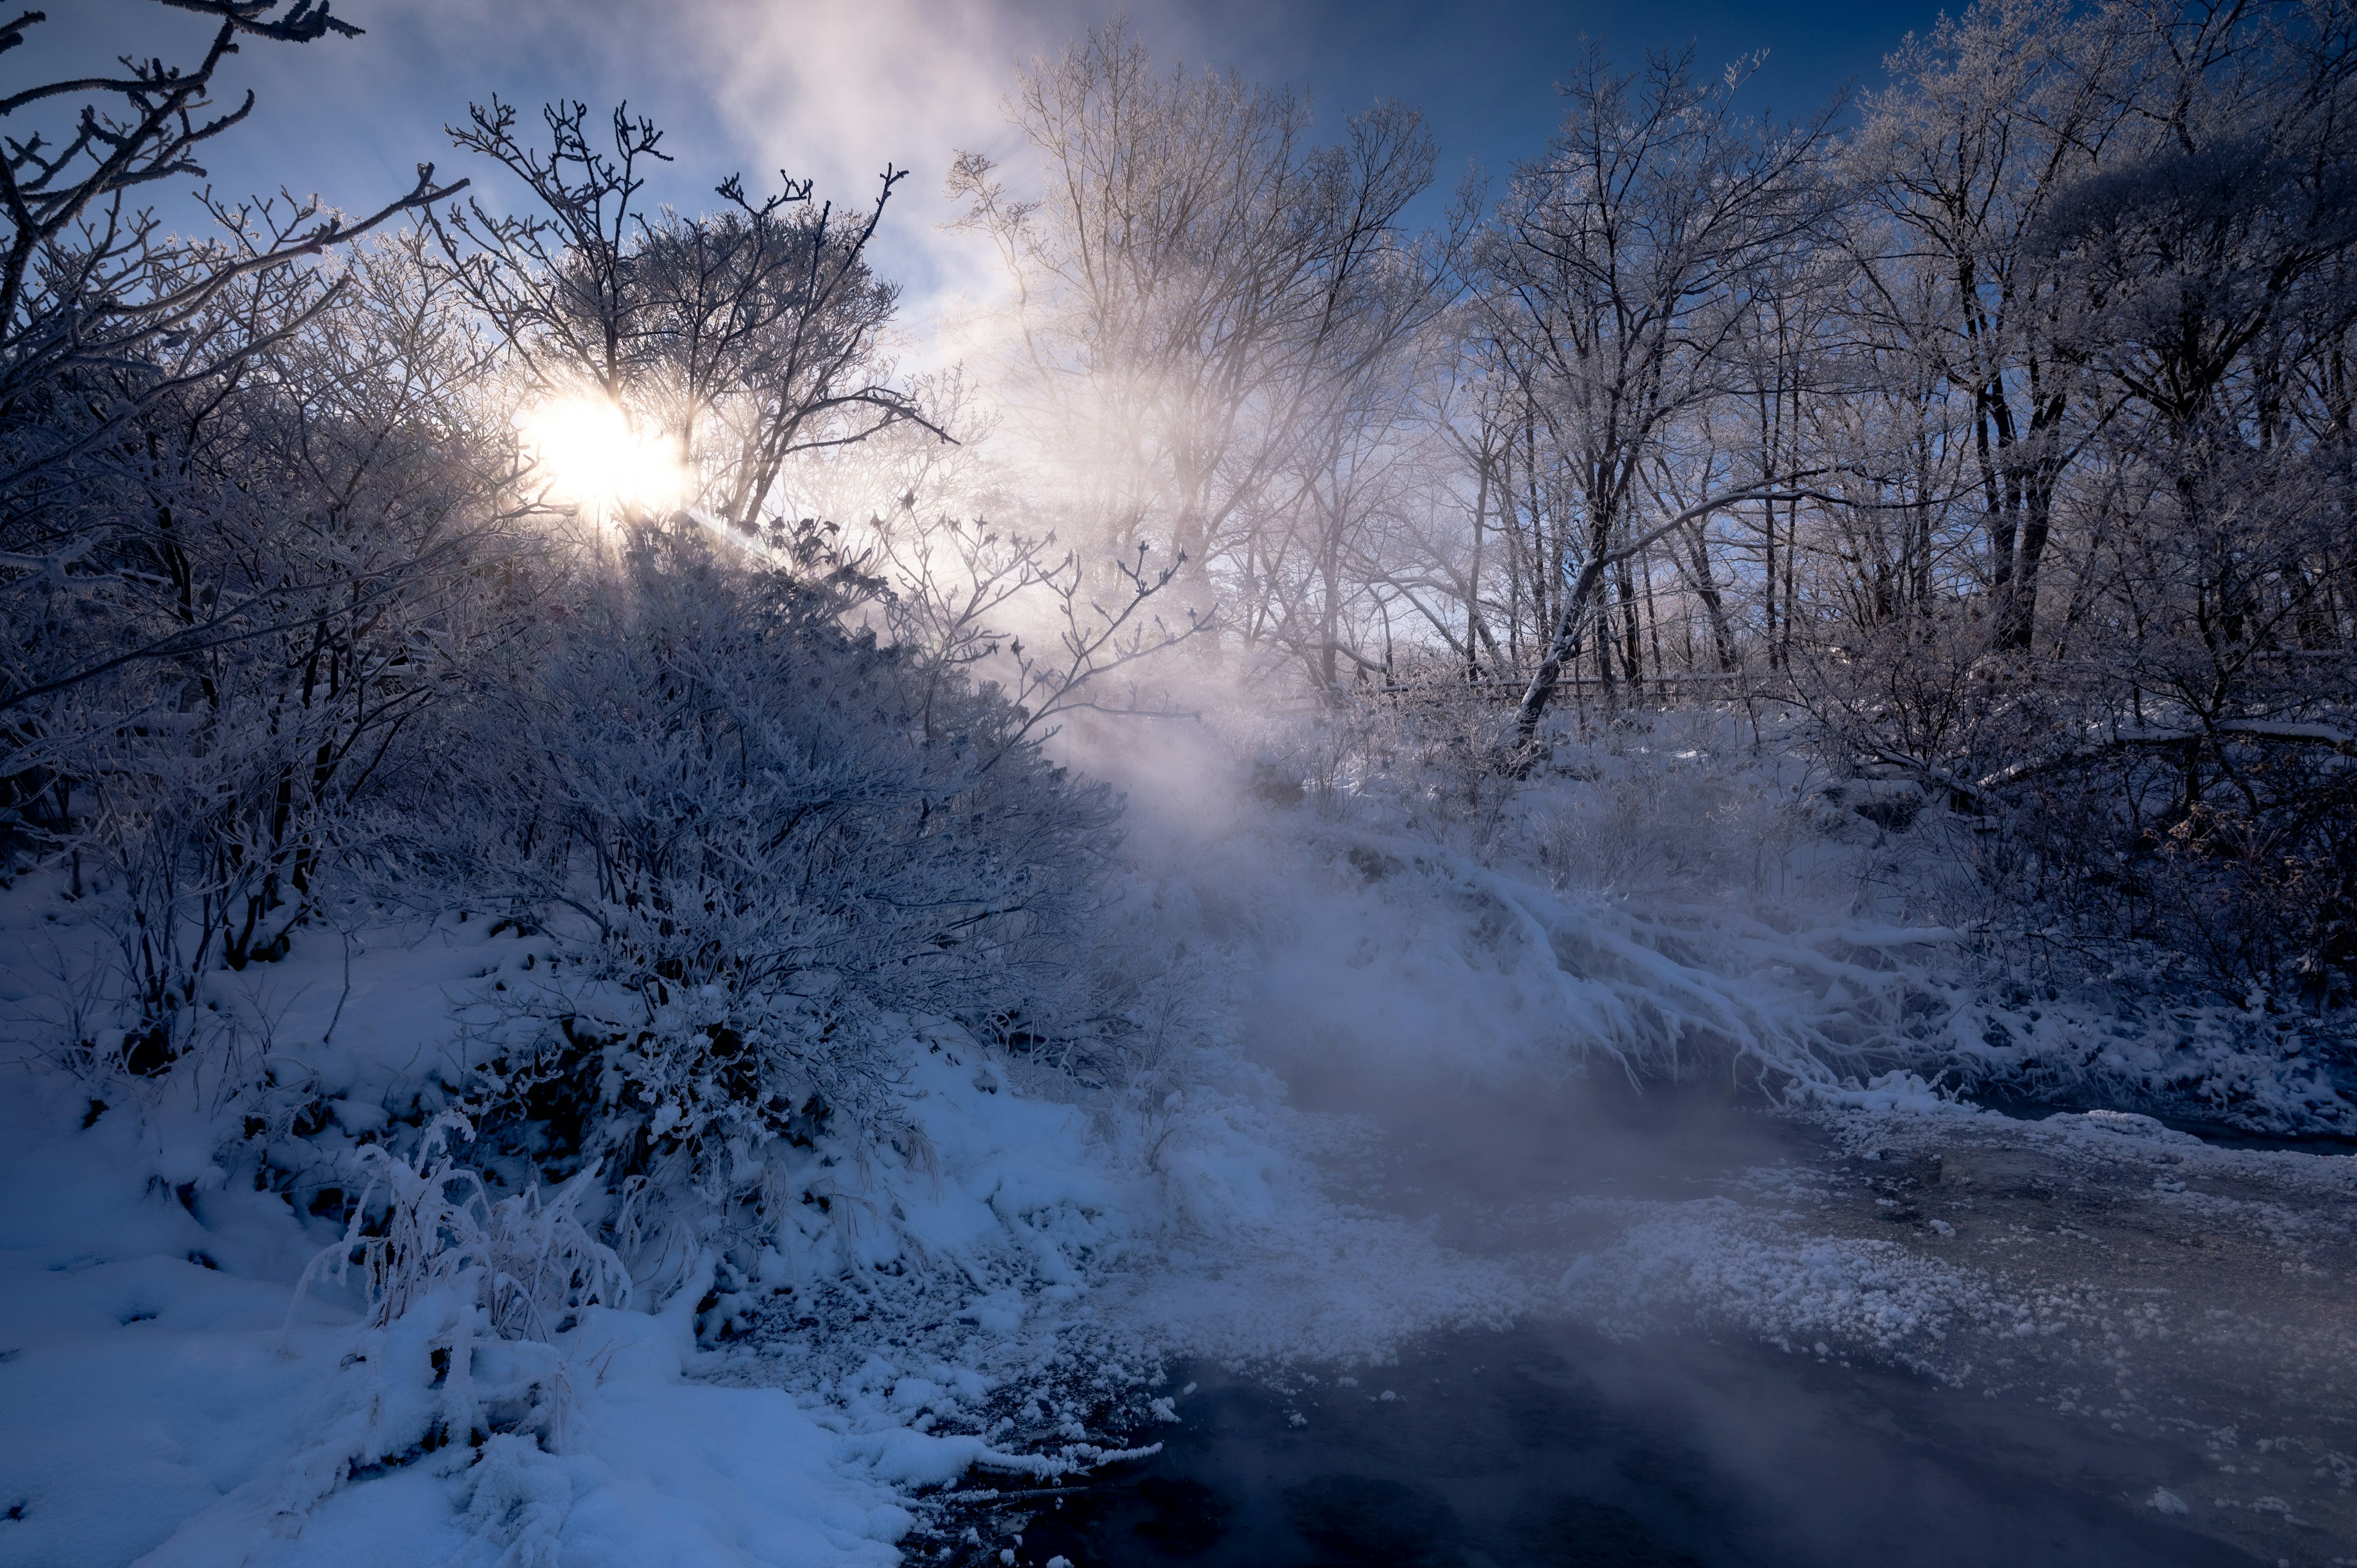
column 762, row 863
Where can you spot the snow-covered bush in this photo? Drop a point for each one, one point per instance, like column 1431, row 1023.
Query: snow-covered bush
column 2106, row 817
column 760, row 863
column 1428, row 752
column 246, row 613
column 1672, row 805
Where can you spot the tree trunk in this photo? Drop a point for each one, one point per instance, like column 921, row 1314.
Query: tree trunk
column 1563, row 647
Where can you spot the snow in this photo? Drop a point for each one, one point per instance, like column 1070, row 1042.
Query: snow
column 202, row 1411
column 165, row 1414
column 1739, row 1270
column 966, row 1293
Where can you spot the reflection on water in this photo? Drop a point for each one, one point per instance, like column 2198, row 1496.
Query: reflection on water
column 1552, row 1447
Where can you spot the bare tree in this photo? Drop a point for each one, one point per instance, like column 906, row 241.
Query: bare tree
column 1194, row 277
column 91, row 292
column 743, row 337
column 1618, row 276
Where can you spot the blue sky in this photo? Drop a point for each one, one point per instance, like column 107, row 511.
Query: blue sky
column 1484, row 70
column 834, row 89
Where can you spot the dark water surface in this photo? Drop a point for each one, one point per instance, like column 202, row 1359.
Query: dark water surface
column 1549, row 1446
column 2220, row 1135
column 1555, row 1447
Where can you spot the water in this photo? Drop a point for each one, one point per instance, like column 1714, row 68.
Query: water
column 2220, row 1135
column 1548, row 1445
column 1552, row 1447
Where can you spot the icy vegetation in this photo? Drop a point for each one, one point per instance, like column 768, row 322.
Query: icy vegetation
column 629, row 936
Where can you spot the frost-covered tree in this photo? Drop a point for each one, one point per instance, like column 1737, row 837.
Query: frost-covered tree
column 105, row 317
column 1622, row 277
column 1195, row 280
column 741, row 339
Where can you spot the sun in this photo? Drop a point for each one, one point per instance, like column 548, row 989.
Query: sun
column 588, row 453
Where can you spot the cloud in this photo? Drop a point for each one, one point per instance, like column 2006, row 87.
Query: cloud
column 835, row 92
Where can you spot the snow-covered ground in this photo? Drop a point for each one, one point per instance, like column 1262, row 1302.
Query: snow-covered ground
column 1002, row 1292
column 998, row 1295
column 173, row 1399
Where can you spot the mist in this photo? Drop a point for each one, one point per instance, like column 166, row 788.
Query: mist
column 996, row 784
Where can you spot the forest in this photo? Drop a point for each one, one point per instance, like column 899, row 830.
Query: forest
column 573, row 788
